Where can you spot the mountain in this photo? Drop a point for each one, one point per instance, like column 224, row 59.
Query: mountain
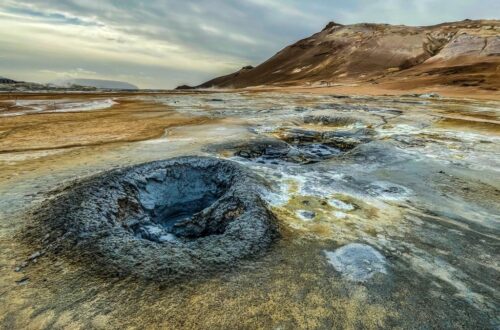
column 465, row 53
column 97, row 83
column 4, row 80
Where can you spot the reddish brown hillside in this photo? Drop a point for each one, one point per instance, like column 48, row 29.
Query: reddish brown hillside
column 465, row 53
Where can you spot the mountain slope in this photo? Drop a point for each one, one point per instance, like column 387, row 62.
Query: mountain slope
column 465, row 53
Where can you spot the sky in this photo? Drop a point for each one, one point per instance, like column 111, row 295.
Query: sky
column 165, row 43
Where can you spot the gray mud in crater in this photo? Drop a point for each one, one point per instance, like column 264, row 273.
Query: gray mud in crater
column 296, row 145
column 163, row 220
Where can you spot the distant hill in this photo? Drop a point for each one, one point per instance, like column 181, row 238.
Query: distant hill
column 4, row 80
column 465, row 53
column 97, row 83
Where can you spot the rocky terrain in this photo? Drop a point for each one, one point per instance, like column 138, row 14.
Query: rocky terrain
column 280, row 209
column 462, row 54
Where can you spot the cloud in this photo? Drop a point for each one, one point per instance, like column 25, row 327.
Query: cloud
column 172, row 42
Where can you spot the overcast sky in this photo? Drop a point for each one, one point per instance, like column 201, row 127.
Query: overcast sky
column 164, row 43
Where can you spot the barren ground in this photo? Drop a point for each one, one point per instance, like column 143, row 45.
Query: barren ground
column 413, row 177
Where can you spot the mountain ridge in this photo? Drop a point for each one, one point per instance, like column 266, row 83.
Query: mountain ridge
column 465, row 53
column 97, row 83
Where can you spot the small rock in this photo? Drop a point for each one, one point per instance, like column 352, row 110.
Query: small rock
column 35, row 255
column 429, row 95
column 243, row 154
column 338, row 204
column 23, row 281
column 21, row 266
column 306, row 215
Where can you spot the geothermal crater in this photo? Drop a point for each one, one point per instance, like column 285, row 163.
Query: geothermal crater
column 162, row 220
column 296, row 145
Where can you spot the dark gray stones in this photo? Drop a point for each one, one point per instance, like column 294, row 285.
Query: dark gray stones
column 279, row 152
column 330, row 120
column 296, row 145
column 306, row 215
column 387, row 190
column 423, row 96
column 163, row 220
column 318, row 151
column 266, row 148
column 342, row 140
